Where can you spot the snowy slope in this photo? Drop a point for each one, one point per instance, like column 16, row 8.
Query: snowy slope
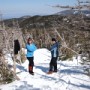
column 70, row 76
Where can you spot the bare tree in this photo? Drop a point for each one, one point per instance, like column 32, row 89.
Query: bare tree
column 74, row 21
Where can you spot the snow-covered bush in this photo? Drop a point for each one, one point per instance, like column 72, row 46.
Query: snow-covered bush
column 6, row 76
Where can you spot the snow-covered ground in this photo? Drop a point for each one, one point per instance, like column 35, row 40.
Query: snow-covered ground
column 70, row 75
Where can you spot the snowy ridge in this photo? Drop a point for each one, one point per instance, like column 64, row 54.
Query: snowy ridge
column 70, row 75
column 74, row 12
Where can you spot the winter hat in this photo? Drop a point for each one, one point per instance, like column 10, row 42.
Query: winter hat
column 29, row 39
column 53, row 39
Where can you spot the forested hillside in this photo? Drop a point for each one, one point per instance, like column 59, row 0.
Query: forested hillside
column 74, row 30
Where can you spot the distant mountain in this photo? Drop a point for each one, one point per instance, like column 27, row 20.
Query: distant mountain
column 73, row 12
column 65, row 12
column 25, row 17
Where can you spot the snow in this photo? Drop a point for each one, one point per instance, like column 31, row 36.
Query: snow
column 70, row 75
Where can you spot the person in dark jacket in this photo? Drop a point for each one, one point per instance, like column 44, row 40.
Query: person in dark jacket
column 54, row 56
column 16, row 46
column 30, row 46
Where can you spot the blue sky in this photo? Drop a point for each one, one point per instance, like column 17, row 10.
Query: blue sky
column 17, row 8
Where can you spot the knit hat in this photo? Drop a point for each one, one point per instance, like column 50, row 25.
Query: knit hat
column 53, row 39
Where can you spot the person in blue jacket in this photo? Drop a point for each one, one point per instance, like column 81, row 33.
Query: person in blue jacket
column 30, row 46
column 54, row 56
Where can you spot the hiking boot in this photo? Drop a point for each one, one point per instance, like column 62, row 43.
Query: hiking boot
column 50, row 72
column 32, row 73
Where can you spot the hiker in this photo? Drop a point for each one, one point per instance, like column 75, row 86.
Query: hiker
column 54, row 56
column 30, row 46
